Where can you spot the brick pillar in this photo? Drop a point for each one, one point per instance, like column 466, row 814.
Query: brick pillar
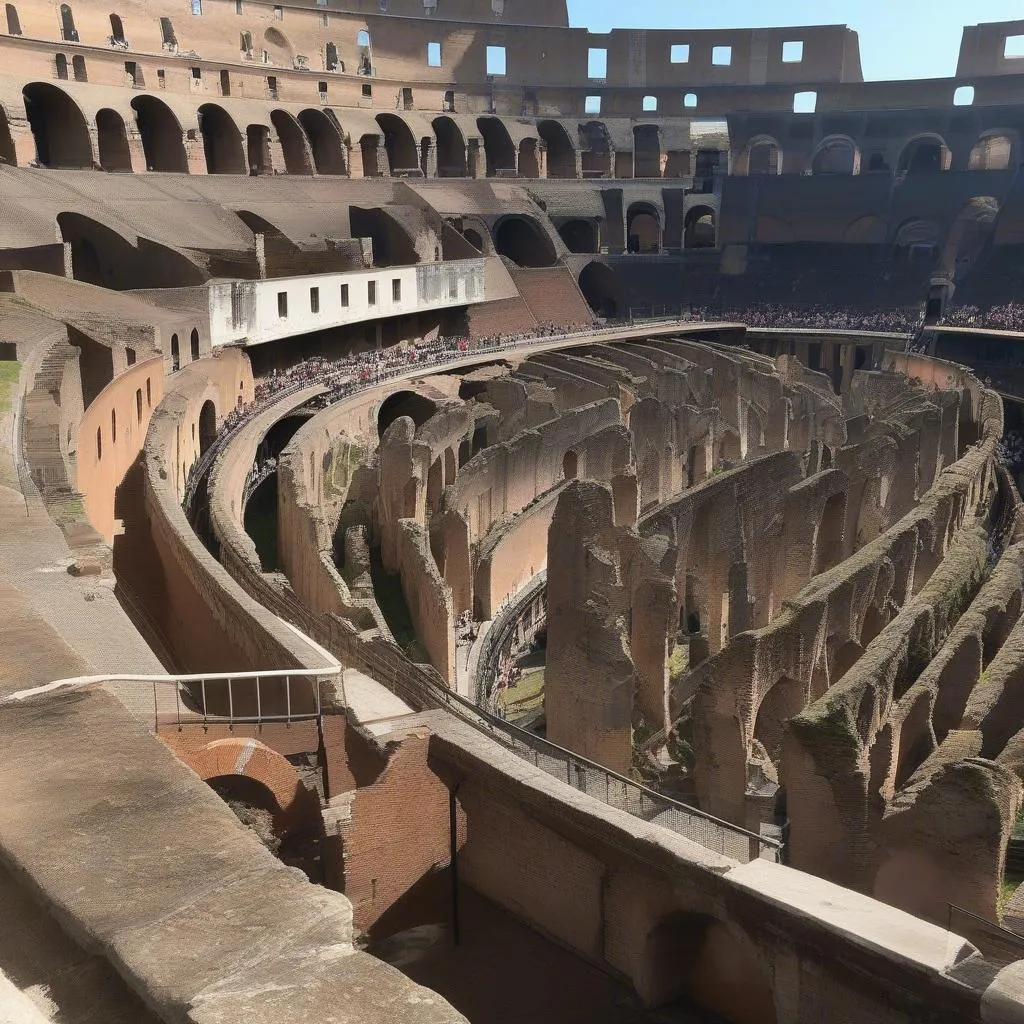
column 477, row 162
column 430, row 170
column 24, row 141
column 195, row 155
column 542, row 159
column 277, row 161
column 136, row 152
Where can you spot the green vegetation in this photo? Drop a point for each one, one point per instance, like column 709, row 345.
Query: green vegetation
column 1006, row 890
column 525, row 697
column 340, row 465
column 10, row 370
column 678, row 662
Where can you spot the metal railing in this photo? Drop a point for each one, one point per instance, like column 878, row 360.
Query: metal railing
column 998, row 945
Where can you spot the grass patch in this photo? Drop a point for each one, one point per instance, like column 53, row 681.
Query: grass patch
column 1007, row 888
column 525, row 697
column 10, row 371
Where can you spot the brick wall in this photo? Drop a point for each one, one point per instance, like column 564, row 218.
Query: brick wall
column 553, row 296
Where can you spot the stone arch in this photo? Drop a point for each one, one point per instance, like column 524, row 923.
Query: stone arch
column 13, row 21
column 116, row 28
column 643, row 228
column 836, row 154
column 207, row 423
column 873, row 624
column 870, row 230
column 646, row 151
column 529, row 164
column 763, row 155
column 785, row 700
column 161, row 134
column 700, row 228
column 570, row 465
column 68, row 32
column 600, row 287
column 970, row 234
column 524, row 242
column 708, row 962
column 175, row 354
column 58, row 127
column 279, row 49
column 561, row 154
column 915, row 235
column 924, row 154
column 417, row 407
column 828, row 536
column 451, row 148
column 222, row 141
column 112, row 138
column 595, row 149
column 916, row 740
column 498, row 147
column 193, row 344
column 995, row 150
column 294, row 143
column 474, row 238
column 324, row 141
column 399, row 143
column 579, row 235
column 7, row 151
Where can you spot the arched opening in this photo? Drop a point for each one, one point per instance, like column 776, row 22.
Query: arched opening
column 646, row 151
column 699, row 228
column 257, row 148
column 828, row 539
column 698, row 957
column 992, row 152
column 785, row 700
column 58, row 127
column 601, row 289
column 279, row 50
column 78, row 68
column 579, row 235
column 596, row 149
column 916, row 740
column 112, row 138
column 764, row 157
column 836, row 156
column 61, row 64
column 926, row 154
column 207, row 425
column 404, row 403
column 175, row 354
column 451, row 148
column 116, row 29
column 222, row 143
column 523, row 241
column 293, row 141
column 529, row 165
column 67, row 24
column 193, row 345
column 643, row 228
column 969, row 236
column 874, row 623
column 7, row 153
column 13, row 21
column 561, row 155
column 916, row 240
column 569, row 465
column 498, row 147
column 161, row 133
column 868, row 230
column 474, row 238
column 324, row 140
column 399, row 144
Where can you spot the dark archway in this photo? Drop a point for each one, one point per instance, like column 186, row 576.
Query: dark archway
column 498, row 147
column 828, row 539
column 370, row 151
column 570, row 465
column 699, row 229
column 13, row 21
column 646, row 151
column 222, row 143
column 785, row 700
column 474, row 238
column 836, row 156
column 529, row 165
column 293, row 141
column 68, row 31
column 257, row 149
column 7, row 152
column 643, row 228
column 399, row 144
column 161, row 134
column 601, row 289
column 116, row 29
column 175, row 354
column 58, row 126
column 325, row 142
column 561, row 155
column 113, row 141
column 451, row 148
column 404, row 403
column 764, row 157
column 193, row 345
column 595, row 149
column 523, row 241
column 207, row 425
column 579, row 235
column 994, row 151
column 927, row 154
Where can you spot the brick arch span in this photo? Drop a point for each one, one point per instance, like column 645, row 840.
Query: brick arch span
column 58, row 126
column 325, row 141
column 298, row 158
column 162, row 137
column 222, row 141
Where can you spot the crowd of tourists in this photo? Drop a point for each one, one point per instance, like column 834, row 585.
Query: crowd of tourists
column 819, row 317
column 1011, row 450
column 1006, row 317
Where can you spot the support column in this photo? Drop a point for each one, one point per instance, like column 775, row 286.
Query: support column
column 195, row 155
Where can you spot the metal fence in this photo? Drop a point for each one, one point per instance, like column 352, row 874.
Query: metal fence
column 998, row 945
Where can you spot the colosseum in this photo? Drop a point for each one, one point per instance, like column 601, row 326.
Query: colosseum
column 503, row 523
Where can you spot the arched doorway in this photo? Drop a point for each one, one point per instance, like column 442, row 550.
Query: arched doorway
column 523, row 241
column 222, row 142
column 498, row 147
column 643, row 228
column 58, row 127
column 529, row 164
column 257, row 148
column 451, row 148
column 113, row 141
column 175, row 354
column 324, row 141
column 601, row 289
column 836, row 156
column 207, row 425
column 994, row 151
column 399, row 144
column 404, row 403
column 926, row 154
column 193, row 345
column 595, row 150
column 293, row 141
column 561, row 155
column 570, row 465
column 161, row 133
column 785, row 700
column 279, row 50
column 646, row 151
column 579, row 235
column 764, row 157
column 699, row 228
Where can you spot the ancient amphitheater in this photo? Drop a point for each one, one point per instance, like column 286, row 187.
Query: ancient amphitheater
column 502, row 523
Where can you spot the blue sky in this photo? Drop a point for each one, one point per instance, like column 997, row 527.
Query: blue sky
column 898, row 38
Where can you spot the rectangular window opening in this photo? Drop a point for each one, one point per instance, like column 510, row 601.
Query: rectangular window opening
column 197, row 7
column 1014, row 47
column 690, row 101
column 433, row 55
column 650, row 103
column 963, row 96
column 314, row 300
column 805, row 102
column 371, row 293
column 793, row 52
column 496, row 60
column 282, row 305
column 344, row 296
column 721, row 56
column 592, row 105
column 278, row 14
column 396, row 290
column 367, row 91
column 597, row 63
column 679, row 53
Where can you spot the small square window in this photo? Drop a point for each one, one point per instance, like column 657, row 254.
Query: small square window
column 592, row 105
column 679, row 53
column 238, row 6
column 197, row 7
column 805, row 102
column 325, row 19
column 792, row 52
column 1014, row 47
column 371, row 293
column 690, row 100
column 721, row 56
column 197, row 74
column 344, row 296
column 278, row 14
column 963, row 96
column 161, row 78
column 314, row 300
column 367, row 91
column 321, row 87
column 650, row 103
column 282, row 305
column 496, row 60
column 433, row 55
column 597, row 63
column 396, row 289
